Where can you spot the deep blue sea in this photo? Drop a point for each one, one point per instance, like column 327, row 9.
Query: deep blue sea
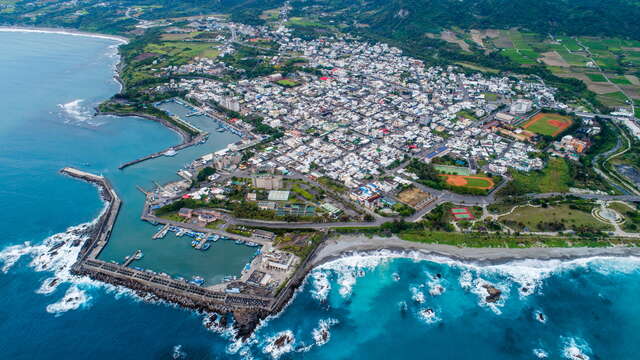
column 367, row 307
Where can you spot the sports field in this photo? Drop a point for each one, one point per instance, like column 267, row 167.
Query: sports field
column 548, row 124
column 473, row 182
column 449, row 169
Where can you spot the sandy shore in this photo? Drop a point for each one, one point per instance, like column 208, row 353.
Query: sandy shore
column 345, row 245
column 63, row 31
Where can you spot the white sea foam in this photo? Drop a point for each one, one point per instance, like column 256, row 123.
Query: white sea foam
column 540, row 353
column 56, row 254
column 73, row 299
column 575, row 349
column 417, row 295
column 435, row 286
column 479, row 287
column 275, row 350
column 62, row 32
column 178, row 353
column 529, row 274
column 321, row 285
column 321, row 334
column 540, row 316
column 429, row 316
column 77, row 113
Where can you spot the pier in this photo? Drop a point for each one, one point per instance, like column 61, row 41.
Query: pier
column 162, row 233
column 197, row 140
column 135, row 256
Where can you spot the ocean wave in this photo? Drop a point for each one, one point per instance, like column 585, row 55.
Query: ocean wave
column 480, row 287
column 575, row 349
column 279, row 344
column 178, row 353
column 321, row 334
column 436, row 288
column 540, row 353
column 528, row 274
column 73, row 299
column 321, row 285
column 429, row 316
column 57, row 254
column 417, row 295
column 76, row 113
column 63, row 32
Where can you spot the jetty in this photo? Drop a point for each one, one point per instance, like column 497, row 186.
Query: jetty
column 247, row 308
column 162, row 233
column 129, row 259
column 202, row 136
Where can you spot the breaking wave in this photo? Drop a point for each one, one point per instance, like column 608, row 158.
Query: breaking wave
column 56, row 255
column 76, row 113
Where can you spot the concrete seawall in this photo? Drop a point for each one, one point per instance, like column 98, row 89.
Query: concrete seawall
column 248, row 310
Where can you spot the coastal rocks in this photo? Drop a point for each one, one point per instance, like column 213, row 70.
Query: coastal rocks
column 494, row 293
column 321, row 334
column 246, row 321
column 280, row 344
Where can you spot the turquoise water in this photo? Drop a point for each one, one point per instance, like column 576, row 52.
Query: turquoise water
column 371, row 308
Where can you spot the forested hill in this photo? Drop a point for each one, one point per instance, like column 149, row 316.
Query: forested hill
column 389, row 18
column 414, row 17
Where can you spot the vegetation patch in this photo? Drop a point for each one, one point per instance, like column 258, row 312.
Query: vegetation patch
column 596, row 77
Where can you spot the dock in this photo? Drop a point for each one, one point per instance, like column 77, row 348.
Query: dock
column 162, row 233
column 132, row 258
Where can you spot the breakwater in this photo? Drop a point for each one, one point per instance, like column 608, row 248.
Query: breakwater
column 189, row 138
column 247, row 309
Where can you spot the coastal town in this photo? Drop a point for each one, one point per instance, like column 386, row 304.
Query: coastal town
column 320, row 179
column 337, row 134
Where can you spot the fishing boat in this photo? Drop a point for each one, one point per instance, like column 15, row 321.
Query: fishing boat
column 197, row 280
column 206, row 246
column 239, row 242
column 252, row 244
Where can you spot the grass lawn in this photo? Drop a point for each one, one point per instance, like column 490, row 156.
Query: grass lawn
column 548, row 124
column 621, row 207
column 490, row 96
column 479, row 183
column 287, row 83
column 505, row 241
column 553, row 178
column 596, row 77
column 302, row 192
column 473, row 182
column 531, row 217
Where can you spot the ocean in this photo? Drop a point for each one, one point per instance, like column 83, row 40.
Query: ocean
column 372, row 306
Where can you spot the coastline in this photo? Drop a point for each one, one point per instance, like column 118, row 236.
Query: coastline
column 352, row 245
column 63, row 31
